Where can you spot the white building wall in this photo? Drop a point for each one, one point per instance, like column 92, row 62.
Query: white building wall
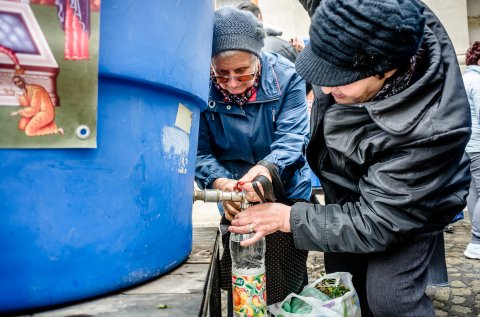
column 453, row 15
column 473, row 9
column 287, row 16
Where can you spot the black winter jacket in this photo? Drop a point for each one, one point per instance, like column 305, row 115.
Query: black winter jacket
column 389, row 168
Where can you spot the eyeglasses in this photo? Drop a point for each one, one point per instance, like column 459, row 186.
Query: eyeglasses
column 240, row 78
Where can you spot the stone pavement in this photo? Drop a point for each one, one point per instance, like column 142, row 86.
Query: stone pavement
column 460, row 298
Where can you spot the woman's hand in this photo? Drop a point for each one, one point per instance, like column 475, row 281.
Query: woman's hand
column 230, row 208
column 263, row 219
column 245, row 183
column 297, row 44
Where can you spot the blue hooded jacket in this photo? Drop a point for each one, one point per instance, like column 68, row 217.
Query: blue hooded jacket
column 274, row 127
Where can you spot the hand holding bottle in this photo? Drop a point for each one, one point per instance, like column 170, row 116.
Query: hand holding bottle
column 264, row 219
column 245, row 183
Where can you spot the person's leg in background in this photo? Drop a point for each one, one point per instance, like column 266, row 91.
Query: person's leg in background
column 473, row 204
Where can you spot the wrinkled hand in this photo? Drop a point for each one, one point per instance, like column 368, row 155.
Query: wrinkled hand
column 264, row 218
column 247, row 182
column 230, row 208
column 297, row 44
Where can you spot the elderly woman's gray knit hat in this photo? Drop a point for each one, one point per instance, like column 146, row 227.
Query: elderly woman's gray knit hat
column 234, row 29
column 355, row 39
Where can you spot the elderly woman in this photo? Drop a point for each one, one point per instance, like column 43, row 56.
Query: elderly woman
column 256, row 113
column 390, row 124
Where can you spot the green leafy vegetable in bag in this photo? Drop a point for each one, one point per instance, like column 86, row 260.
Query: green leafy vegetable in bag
column 297, row 305
column 331, row 295
column 329, row 288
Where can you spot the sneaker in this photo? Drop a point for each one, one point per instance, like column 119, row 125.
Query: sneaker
column 472, row 251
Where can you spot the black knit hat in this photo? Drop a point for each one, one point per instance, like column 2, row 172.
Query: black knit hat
column 234, row 29
column 355, row 39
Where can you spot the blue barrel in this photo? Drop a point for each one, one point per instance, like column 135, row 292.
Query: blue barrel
column 77, row 223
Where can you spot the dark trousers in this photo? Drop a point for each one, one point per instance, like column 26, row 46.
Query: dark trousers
column 392, row 282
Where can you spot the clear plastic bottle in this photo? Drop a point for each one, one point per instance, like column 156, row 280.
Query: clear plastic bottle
column 248, row 277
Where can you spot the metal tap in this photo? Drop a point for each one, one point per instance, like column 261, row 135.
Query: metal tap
column 216, row 195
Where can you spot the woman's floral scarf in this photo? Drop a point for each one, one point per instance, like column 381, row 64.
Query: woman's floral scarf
column 399, row 82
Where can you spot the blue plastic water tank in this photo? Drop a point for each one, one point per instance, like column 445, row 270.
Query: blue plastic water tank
column 76, row 223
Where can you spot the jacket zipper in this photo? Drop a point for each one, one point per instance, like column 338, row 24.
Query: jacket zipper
column 273, row 115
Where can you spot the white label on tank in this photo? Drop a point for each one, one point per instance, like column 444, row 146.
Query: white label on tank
column 176, row 143
column 184, row 118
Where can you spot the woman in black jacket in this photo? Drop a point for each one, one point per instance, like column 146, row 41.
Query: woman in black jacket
column 389, row 127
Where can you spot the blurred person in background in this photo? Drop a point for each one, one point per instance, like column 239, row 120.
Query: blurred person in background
column 273, row 42
column 471, row 79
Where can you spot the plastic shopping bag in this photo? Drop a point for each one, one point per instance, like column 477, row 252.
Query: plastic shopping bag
column 313, row 302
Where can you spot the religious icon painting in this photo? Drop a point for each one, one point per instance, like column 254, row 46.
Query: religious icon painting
column 49, row 73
